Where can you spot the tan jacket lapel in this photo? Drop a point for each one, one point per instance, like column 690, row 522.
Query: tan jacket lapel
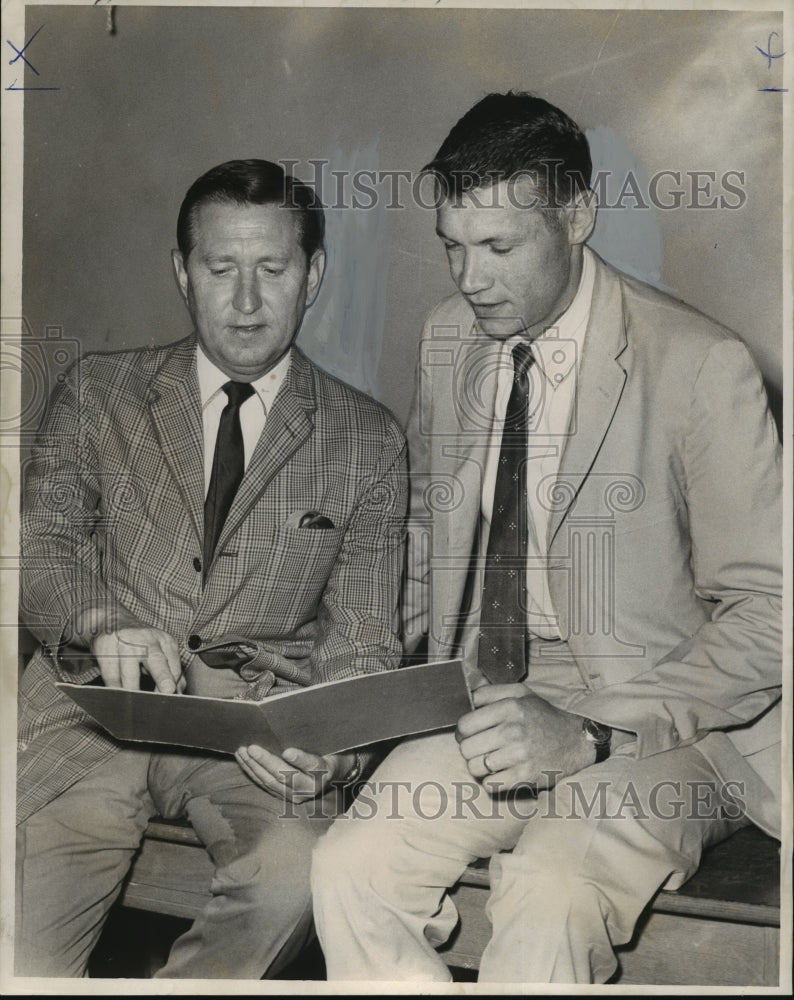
column 599, row 387
column 465, row 452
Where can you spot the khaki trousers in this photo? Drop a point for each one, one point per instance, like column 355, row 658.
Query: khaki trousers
column 73, row 855
column 586, row 858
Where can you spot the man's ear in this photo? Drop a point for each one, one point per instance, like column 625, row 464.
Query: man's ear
column 315, row 276
column 180, row 272
column 581, row 216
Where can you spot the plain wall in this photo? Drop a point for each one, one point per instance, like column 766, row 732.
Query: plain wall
column 142, row 112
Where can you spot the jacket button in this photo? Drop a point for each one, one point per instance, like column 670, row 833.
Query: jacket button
column 193, row 641
column 197, row 564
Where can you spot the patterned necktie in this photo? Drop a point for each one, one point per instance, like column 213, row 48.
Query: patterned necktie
column 502, row 645
column 228, row 466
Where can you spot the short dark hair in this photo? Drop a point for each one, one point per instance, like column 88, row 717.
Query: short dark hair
column 253, row 182
column 505, row 135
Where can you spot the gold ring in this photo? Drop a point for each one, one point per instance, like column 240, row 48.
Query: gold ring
column 486, row 765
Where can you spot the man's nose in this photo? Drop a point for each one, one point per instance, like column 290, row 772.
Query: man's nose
column 472, row 277
column 246, row 296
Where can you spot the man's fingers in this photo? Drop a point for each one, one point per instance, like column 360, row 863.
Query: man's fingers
column 282, row 776
column 480, row 744
column 259, row 774
column 470, row 724
column 272, row 771
column 308, row 763
column 170, row 648
column 130, row 667
column 492, row 755
column 141, row 648
column 121, row 655
column 157, row 666
column 108, row 668
column 487, row 694
column 108, row 661
column 155, row 651
column 481, row 765
column 482, row 719
column 271, row 762
column 118, row 662
column 517, row 779
column 502, row 769
column 243, row 762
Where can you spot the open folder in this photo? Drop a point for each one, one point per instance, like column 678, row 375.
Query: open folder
column 325, row 718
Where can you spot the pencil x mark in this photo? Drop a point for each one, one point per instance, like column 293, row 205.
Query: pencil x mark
column 20, row 53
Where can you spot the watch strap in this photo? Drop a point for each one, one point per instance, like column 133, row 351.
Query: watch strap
column 600, row 736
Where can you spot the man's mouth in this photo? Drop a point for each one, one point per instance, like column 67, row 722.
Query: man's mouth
column 248, row 329
column 486, row 308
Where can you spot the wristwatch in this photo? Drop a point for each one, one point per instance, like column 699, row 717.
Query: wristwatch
column 600, row 736
column 355, row 771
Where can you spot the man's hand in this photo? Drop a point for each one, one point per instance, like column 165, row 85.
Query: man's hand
column 298, row 775
column 122, row 654
column 526, row 740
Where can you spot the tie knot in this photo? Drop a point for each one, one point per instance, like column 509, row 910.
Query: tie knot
column 238, row 392
column 522, row 359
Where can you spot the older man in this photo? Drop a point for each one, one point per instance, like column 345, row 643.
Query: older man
column 606, row 556
column 221, row 484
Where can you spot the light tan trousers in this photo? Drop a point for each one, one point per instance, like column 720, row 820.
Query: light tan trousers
column 587, row 857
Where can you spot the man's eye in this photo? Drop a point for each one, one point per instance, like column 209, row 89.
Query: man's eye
column 220, row 271
column 501, row 251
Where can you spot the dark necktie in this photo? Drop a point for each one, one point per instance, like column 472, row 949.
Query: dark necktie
column 228, row 466
column 502, row 645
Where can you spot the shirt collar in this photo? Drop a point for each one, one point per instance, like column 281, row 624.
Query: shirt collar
column 211, row 380
column 559, row 348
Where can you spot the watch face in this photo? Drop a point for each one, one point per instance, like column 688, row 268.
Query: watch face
column 596, row 732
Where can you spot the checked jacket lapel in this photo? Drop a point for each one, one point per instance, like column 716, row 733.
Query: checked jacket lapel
column 175, row 409
column 289, row 423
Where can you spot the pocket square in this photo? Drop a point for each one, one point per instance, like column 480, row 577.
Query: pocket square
column 309, row 519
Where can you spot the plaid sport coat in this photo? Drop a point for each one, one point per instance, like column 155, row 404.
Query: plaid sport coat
column 113, row 515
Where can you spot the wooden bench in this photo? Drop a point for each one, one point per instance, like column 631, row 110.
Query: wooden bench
column 722, row 928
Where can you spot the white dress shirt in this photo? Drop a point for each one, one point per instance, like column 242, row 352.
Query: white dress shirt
column 253, row 411
column 552, row 416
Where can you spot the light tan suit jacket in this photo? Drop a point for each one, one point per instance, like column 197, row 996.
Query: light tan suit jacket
column 664, row 541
